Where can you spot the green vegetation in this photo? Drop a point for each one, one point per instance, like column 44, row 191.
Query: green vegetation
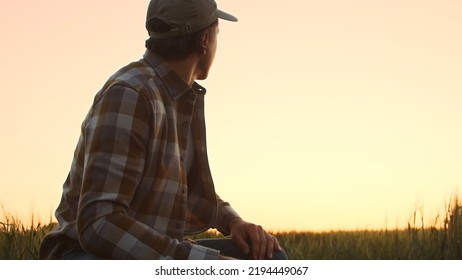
column 18, row 242
column 441, row 241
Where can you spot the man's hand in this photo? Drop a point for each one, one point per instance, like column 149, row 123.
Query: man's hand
column 252, row 239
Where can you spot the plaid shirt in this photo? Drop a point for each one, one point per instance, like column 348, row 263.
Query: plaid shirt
column 128, row 194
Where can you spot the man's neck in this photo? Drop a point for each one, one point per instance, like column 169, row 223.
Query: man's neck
column 185, row 68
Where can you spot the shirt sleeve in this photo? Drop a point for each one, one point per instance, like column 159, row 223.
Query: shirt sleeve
column 225, row 214
column 117, row 134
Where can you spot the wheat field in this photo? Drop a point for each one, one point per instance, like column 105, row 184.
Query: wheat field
column 440, row 241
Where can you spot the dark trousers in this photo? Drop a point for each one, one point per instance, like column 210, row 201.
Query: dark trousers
column 229, row 249
column 224, row 245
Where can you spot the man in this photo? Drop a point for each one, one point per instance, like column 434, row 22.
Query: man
column 140, row 179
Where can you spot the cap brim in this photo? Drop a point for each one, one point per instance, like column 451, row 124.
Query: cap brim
column 226, row 16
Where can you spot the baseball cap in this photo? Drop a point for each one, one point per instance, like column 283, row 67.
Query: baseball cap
column 184, row 16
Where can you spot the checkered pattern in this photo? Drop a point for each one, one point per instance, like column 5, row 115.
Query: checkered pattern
column 128, row 194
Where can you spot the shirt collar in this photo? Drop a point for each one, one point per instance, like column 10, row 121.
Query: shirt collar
column 172, row 81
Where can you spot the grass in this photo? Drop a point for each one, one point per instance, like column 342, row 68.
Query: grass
column 441, row 241
column 18, row 242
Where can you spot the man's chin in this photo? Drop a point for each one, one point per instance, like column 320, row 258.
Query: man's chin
column 202, row 77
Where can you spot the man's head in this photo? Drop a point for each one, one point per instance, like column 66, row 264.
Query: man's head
column 180, row 28
column 184, row 17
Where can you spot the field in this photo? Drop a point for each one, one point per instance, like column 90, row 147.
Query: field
column 441, row 241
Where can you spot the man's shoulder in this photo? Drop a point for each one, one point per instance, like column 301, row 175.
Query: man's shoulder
column 138, row 77
column 135, row 75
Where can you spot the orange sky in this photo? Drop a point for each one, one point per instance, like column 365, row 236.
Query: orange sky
column 320, row 114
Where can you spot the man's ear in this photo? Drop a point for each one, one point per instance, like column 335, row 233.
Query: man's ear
column 205, row 39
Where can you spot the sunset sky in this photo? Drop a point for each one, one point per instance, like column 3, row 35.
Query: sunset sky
column 321, row 115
